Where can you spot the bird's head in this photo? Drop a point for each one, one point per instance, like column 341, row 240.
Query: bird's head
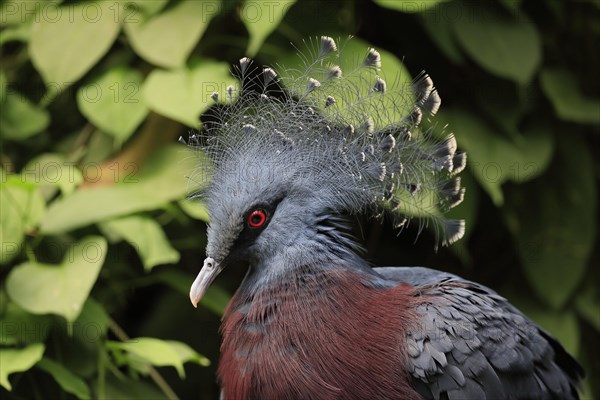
column 290, row 154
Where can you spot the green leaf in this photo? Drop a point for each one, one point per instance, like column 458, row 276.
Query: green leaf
column 22, row 209
column 3, row 87
column 439, row 28
column 67, row 380
column 510, row 107
column 103, row 145
column 183, row 94
column 19, row 327
column 21, row 12
column 168, row 38
column 161, row 180
column 50, row 171
column 563, row 91
column 64, row 48
column 20, row 119
column 195, row 209
column 92, row 323
column 59, row 289
column 511, row 5
column 113, row 102
column 587, row 303
column 261, row 18
column 506, row 46
column 495, row 159
column 18, row 360
column 158, row 352
column 563, row 325
column 18, row 33
column 409, row 6
column 188, row 354
column 145, row 7
column 553, row 223
column 81, row 342
column 533, row 153
column 146, row 236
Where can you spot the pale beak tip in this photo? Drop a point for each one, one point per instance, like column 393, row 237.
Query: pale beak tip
column 195, row 296
column 205, row 277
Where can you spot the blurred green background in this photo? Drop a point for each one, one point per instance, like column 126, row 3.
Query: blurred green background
column 100, row 245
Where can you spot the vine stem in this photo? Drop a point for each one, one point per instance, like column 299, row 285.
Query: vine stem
column 154, row 374
column 101, row 373
column 154, row 133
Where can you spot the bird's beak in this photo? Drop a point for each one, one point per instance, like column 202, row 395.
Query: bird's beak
column 207, row 275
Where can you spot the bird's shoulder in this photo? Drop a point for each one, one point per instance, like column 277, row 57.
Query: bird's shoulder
column 471, row 343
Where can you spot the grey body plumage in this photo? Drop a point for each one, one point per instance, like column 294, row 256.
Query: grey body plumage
column 294, row 150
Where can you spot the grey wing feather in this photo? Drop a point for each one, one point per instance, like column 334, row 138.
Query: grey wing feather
column 416, row 276
column 472, row 344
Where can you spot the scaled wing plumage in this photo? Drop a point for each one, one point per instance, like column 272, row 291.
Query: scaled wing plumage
column 472, row 344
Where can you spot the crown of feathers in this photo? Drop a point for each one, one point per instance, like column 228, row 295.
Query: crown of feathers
column 336, row 129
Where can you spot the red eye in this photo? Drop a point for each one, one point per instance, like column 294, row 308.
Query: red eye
column 257, row 218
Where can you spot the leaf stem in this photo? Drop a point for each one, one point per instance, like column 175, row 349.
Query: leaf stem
column 101, row 373
column 154, row 374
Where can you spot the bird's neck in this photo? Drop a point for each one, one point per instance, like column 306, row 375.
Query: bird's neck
column 321, row 333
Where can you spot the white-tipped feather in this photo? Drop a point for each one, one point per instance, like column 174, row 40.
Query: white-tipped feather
column 306, row 138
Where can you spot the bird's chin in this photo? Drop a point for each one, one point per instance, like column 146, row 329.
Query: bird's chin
column 205, row 278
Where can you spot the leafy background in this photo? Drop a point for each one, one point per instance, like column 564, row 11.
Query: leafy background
column 100, row 245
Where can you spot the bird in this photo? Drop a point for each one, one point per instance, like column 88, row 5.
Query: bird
column 295, row 154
